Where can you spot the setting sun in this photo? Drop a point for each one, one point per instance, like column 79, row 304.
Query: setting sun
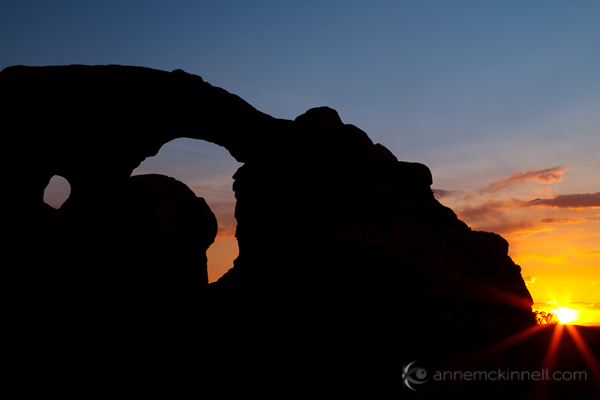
column 566, row 315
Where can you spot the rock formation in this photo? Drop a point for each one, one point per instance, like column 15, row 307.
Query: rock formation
column 344, row 251
column 177, row 227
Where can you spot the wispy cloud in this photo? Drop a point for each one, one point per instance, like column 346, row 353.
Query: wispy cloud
column 441, row 193
column 594, row 252
column 529, row 279
column 545, row 303
column 552, row 220
column 514, row 228
column 545, row 176
column 493, row 207
column 574, row 304
column 487, row 208
column 225, row 231
column 573, row 201
column 582, row 304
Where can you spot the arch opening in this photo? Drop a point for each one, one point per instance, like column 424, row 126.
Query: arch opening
column 208, row 170
column 57, row 192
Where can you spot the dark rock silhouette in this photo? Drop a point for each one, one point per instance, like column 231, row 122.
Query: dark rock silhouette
column 345, row 255
column 176, row 226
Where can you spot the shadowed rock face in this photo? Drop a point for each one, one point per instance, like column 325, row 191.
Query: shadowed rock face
column 338, row 239
column 173, row 229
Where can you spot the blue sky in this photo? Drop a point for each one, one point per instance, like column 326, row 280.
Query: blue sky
column 476, row 90
column 415, row 75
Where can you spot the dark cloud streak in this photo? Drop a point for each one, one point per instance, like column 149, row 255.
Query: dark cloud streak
column 441, row 193
column 552, row 220
column 575, row 201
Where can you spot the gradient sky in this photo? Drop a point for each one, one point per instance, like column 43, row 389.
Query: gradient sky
column 501, row 99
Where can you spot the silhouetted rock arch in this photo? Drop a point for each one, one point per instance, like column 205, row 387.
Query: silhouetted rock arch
column 336, row 235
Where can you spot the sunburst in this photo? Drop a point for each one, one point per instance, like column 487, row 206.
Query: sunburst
column 566, row 315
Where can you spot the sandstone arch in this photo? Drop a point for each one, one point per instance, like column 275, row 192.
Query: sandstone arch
column 335, row 234
column 110, row 118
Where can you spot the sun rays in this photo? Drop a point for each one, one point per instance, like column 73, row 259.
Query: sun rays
column 589, row 357
column 546, row 349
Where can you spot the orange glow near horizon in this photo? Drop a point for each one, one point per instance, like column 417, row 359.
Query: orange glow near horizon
column 575, row 313
column 552, row 226
column 221, row 255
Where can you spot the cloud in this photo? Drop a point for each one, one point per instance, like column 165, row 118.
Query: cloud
column 574, row 201
column 200, row 187
column 595, row 252
column 529, row 279
column 545, row 303
column 440, row 193
column 496, row 216
column 222, row 232
column 545, row 176
column 226, row 206
column 552, row 220
column 588, row 305
column 515, row 228
column 487, row 208
column 574, row 304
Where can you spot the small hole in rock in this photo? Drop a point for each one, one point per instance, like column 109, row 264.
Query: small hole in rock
column 57, row 192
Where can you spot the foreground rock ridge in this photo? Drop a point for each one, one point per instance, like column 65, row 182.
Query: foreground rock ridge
column 340, row 243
